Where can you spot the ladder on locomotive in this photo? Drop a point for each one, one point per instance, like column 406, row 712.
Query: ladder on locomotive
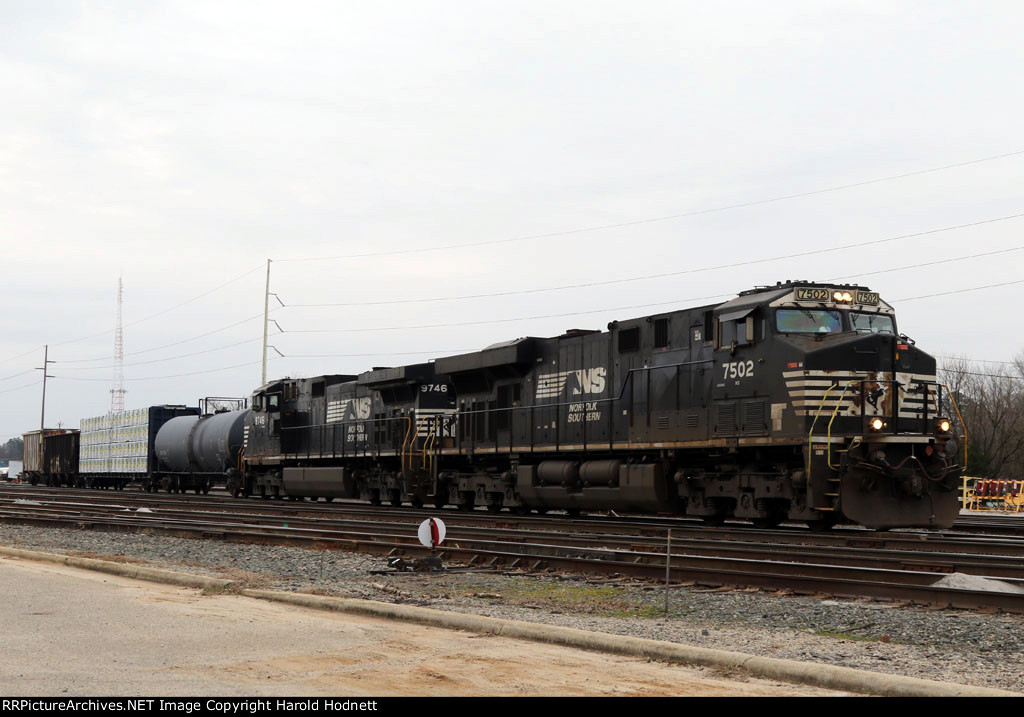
column 422, row 459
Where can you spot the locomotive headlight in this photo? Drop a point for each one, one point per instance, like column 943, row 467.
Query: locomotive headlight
column 877, row 424
column 847, row 297
column 842, row 297
column 944, row 425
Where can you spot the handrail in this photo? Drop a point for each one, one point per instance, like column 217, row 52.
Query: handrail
column 428, row 444
column 810, row 433
column 963, row 425
column 406, row 441
column 835, row 411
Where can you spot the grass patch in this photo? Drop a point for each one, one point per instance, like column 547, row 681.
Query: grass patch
column 607, row 601
column 245, row 579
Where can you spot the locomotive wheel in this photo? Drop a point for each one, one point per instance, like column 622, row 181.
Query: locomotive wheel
column 235, row 491
column 263, row 492
column 374, row 497
column 417, row 501
column 821, row 525
column 198, row 489
column 329, row 499
column 713, row 520
column 395, row 498
column 573, row 512
column 494, row 507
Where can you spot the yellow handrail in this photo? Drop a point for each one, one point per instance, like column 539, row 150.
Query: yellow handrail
column 828, row 448
column 810, row 433
column 405, row 442
column 960, row 418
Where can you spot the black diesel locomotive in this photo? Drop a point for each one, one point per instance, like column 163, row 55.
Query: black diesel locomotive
column 799, row 401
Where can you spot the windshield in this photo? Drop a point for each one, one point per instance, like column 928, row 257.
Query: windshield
column 871, row 323
column 808, row 321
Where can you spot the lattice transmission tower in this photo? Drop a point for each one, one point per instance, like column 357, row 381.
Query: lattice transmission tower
column 117, row 393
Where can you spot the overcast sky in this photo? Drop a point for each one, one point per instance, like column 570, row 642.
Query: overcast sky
column 182, row 144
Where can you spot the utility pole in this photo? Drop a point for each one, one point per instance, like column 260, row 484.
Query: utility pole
column 117, row 393
column 46, row 365
column 266, row 322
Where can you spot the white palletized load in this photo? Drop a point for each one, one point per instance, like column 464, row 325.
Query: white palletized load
column 115, row 442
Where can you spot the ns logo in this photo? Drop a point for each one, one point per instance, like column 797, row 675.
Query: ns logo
column 361, row 407
column 588, row 380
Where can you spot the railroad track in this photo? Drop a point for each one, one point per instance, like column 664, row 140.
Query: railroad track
column 955, row 541
column 895, row 566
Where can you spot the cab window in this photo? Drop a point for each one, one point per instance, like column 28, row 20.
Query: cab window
column 735, row 332
column 871, row 323
column 808, row 321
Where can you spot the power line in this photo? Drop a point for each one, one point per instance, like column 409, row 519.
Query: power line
column 31, row 351
column 15, row 375
column 434, row 352
column 989, row 375
column 638, row 222
column 930, row 263
column 139, row 321
column 164, row 311
column 503, row 321
column 582, row 313
column 971, row 360
column 664, row 275
column 176, row 343
column 27, row 385
column 226, row 368
column 169, row 358
column 554, row 234
column 963, row 291
column 155, row 378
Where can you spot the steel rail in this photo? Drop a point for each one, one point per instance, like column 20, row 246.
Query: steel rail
column 843, row 581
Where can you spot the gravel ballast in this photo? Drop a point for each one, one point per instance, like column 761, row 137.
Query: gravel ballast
column 948, row 645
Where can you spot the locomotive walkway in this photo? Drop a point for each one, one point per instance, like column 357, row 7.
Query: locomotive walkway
column 902, row 566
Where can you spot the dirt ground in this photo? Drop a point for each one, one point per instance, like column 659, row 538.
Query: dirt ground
column 76, row 632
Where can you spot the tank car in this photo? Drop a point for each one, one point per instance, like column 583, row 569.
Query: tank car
column 194, row 451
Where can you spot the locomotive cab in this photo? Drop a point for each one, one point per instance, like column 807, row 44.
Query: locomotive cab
column 862, row 399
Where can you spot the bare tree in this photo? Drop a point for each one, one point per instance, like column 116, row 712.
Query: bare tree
column 991, row 400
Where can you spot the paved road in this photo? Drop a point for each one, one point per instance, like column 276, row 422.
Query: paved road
column 75, row 632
